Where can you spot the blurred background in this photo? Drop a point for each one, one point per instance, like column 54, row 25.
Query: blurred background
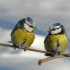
column 44, row 13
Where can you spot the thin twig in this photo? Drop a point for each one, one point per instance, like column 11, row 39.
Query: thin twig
column 49, row 58
column 35, row 50
column 30, row 49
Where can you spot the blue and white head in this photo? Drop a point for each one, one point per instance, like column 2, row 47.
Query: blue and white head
column 56, row 28
column 29, row 25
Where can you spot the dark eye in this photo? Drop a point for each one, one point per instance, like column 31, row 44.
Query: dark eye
column 31, row 26
column 53, row 29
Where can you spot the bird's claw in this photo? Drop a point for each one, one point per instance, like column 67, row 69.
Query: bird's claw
column 24, row 49
column 14, row 47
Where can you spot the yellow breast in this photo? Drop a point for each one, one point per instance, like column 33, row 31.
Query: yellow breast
column 19, row 36
column 51, row 42
column 30, row 37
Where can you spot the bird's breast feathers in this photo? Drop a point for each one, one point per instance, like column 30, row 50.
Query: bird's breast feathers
column 57, row 37
column 20, row 35
column 51, row 41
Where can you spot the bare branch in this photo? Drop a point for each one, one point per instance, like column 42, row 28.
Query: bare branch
column 49, row 58
column 35, row 50
column 30, row 49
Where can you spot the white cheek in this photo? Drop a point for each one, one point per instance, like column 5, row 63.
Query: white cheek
column 56, row 31
column 28, row 28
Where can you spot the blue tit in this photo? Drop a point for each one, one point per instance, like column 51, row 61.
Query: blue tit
column 22, row 36
column 56, row 41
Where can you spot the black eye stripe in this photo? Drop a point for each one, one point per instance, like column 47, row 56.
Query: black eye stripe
column 53, row 29
column 29, row 25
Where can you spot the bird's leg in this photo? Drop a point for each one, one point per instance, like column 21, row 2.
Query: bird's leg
column 58, row 53
column 20, row 46
column 14, row 46
column 58, row 50
column 25, row 48
column 17, row 46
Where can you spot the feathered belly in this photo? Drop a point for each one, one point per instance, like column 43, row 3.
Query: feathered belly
column 18, row 37
column 53, row 41
column 30, row 38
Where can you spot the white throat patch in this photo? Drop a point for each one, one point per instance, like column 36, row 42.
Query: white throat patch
column 28, row 28
column 56, row 31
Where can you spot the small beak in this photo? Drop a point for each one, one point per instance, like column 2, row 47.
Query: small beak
column 48, row 30
column 35, row 27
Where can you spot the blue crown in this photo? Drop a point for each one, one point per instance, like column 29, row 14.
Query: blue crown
column 57, row 24
column 29, row 20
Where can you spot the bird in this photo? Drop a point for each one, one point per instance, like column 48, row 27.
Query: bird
column 23, row 34
column 57, row 40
